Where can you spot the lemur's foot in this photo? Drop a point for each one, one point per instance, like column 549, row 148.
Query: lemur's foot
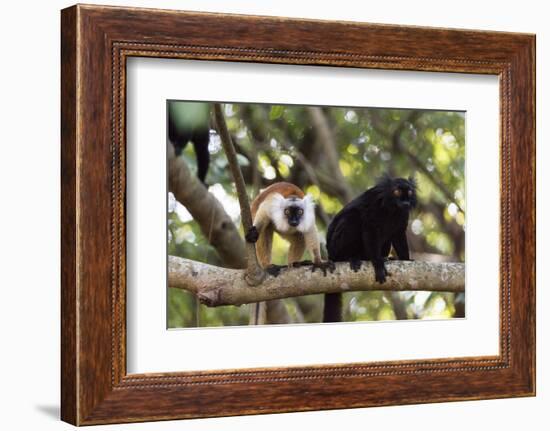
column 274, row 270
column 380, row 274
column 301, row 263
column 355, row 264
column 324, row 266
column 252, row 235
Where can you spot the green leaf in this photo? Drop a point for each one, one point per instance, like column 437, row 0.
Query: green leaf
column 276, row 112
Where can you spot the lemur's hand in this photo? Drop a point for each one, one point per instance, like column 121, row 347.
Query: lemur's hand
column 355, row 264
column 274, row 270
column 252, row 235
column 300, row 264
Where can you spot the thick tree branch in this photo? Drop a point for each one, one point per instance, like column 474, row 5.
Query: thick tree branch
column 216, row 286
column 207, row 211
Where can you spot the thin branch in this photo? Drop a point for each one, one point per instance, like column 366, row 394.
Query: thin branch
column 256, row 176
column 215, row 286
column 254, row 272
column 207, row 211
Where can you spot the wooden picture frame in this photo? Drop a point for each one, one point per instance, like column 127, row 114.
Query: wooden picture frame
column 95, row 43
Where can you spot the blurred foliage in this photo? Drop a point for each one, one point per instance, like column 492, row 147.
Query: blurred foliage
column 278, row 143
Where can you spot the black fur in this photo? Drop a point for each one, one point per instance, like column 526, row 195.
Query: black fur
column 199, row 137
column 252, row 235
column 367, row 228
column 275, row 270
column 324, row 267
column 294, row 214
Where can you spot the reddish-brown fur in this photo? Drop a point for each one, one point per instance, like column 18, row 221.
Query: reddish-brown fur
column 284, row 189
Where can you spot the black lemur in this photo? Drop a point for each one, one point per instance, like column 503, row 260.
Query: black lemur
column 366, row 229
column 189, row 122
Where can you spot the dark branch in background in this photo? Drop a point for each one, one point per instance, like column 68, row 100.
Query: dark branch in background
column 399, row 146
column 215, row 286
column 399, row 306
column 207, row 211
column 454, row 229
column 309, row 170
column 308, row 146
column 459, row 304
column 324, row 135
column 254, row 272
column 422, row 167
column 313, row 178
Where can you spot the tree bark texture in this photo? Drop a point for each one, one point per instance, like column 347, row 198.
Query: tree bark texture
column 215, row 286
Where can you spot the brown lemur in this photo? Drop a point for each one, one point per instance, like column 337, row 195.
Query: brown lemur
column 284, row 208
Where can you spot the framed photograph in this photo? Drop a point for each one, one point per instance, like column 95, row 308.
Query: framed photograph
column 332, row 222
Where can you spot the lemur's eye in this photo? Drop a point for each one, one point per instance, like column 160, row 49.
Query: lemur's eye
column 287, row 211
column 300, row 211
column 410, row 193
column 397, row 193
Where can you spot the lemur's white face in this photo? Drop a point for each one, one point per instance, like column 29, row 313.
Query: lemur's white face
column 292, row 213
